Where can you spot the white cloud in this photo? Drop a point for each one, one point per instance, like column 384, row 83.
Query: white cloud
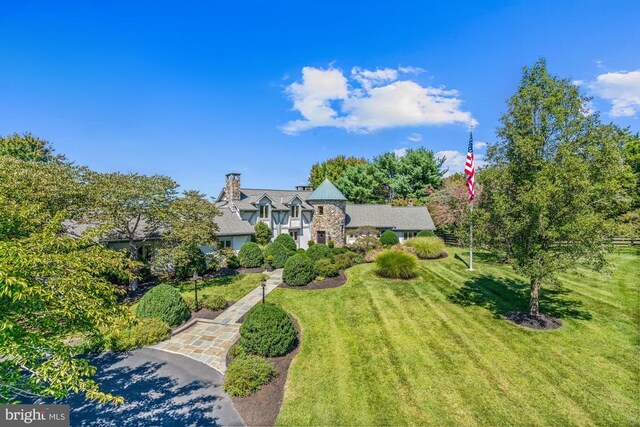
column 415, row 137
column 479, row 145
column 622, row 89
column 577, row 82
column 324, row 97
column 400, row 152
column 599, row 64
column 410, row 70
column 455, row 161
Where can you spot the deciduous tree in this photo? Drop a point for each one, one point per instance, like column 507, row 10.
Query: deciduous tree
column 555, row 177
column 332, row 169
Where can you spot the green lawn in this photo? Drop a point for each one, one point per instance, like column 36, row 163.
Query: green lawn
column 232, row 288
column 435, row 351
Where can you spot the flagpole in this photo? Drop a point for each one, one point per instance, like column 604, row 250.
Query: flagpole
column 471, row 238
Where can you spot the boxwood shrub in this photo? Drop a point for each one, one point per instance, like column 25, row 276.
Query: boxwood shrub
column 427, row 247
column 396, row 265
column 299, row 270
column 250, row 255
column 326, row 267
column 319, row 250
column 247, row 374
column 389, row 238
column 426, row 233
column 267, row 331
column 287, row 241
column 164, row 302
column 279, row 253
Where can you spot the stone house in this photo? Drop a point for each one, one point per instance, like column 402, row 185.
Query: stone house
column 321, row 215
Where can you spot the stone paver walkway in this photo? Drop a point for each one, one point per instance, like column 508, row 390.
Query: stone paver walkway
column 208, row 341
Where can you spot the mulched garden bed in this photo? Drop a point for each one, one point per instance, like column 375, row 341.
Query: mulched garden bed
column 329, row 282
column 263, row 406
column 205, row 313
column 526, row 320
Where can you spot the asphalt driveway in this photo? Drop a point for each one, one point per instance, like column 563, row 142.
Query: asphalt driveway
column 160, row 389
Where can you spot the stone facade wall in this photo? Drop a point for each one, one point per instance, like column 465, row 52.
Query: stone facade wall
column 331, row 221
column 232, row 186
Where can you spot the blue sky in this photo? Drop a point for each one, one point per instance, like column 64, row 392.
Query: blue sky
column 197, row 89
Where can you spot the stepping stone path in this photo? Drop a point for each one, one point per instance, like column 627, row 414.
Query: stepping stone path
column 208, row 341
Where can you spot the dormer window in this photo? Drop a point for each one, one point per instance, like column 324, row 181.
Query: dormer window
column 264, row 211
column 295, row 211
column 320, row 210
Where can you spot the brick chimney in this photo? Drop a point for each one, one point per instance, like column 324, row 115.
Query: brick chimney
column 232, row 186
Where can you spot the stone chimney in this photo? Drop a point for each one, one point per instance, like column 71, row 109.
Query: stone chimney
column 232, row 186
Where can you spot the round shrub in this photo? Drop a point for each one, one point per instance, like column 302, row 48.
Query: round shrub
column 426, row 233
column 427, row 247
column 389, row 238
column 247, row 374
column 311, row 243
column 279, row 253
column 233, row 262
column 301, row 251
column 164, row 302
column 326, row 267
column 287, row 241
column 250, row 255
column 298, row 270
column 339, row 251
column 396, row 265
column 267, row 331
column 331, row 244
column 318, row 251
column 263, row 233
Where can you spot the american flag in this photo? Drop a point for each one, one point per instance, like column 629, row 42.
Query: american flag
column 469, row 169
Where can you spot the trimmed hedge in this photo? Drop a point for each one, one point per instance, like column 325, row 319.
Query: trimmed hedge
column 164, row 302
column 279, row 253
column 146, row 331
column 267, row 331
column 299, row 270
column 326, row 267
column 250, row 255
column 396, row 265
column 287, row 241
column 389, row 238
column 319, row 251
column 425, row 233
column 247, row 374
column 427, row 247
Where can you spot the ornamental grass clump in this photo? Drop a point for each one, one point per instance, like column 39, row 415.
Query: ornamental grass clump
column 164, row 302
column 427, row 247
column 268, row 331
column 395, row 264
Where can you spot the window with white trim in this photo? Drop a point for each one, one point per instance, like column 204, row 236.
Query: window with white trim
column 224, row 244
column 409, row 234
column 264, row 211
column 295, row 211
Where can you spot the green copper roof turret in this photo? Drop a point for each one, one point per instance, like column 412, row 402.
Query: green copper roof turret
column 327, row 191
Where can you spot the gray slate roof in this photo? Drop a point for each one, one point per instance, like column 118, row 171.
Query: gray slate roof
column 280, row 198
column 229, row 224
column 409, row 218
column 327, row 191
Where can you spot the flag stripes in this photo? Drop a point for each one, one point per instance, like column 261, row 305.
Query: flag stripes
column 469, row 170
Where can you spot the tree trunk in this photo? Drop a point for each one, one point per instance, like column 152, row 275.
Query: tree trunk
column 534, row 302
column 133, row 255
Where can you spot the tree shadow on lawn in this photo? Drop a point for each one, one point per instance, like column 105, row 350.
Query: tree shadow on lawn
column 503, row 296
column 152, row 396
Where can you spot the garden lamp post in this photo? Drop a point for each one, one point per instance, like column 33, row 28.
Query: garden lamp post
column 264, row 287
column 195, row 279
